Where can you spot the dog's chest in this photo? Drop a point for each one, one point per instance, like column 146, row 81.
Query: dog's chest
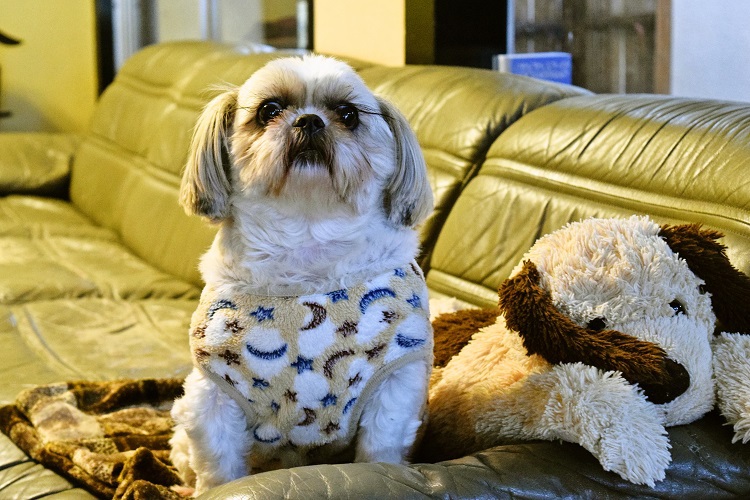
column 301, row 367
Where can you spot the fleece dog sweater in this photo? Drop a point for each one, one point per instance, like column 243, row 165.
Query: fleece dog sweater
column 302, row 367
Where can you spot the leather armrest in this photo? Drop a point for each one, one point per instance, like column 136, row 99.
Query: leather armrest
column 36, row 163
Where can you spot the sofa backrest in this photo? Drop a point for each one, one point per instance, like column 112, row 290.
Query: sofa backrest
column 456, row 114
column 127, row 171
column 678, row 160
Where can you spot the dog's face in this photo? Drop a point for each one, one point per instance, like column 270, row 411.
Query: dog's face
column 310, row 123
column 306, row 131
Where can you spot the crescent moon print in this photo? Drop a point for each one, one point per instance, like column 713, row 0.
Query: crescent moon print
column 319, row 315
column 310, row 417
column 269, row 440
column 220, row 304
column 267, row 355
column 408, row 342
column 374, row 295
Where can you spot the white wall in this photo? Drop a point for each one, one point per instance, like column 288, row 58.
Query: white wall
column 711, row 49
column 49, row 81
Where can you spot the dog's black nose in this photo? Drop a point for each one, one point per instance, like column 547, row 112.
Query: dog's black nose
column 309, row 123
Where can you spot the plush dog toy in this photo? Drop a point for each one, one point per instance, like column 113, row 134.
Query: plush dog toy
column 603, row 338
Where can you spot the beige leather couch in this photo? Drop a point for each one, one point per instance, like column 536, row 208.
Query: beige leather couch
column 98, row 270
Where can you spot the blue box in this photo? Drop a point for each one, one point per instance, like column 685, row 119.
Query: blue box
column 550, row 66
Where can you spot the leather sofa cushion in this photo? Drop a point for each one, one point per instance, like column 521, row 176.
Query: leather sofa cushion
column 35, row 216
column 49, row 266
column 36, row 162
column 676, row 160
column 113, row 339
column 126, row 174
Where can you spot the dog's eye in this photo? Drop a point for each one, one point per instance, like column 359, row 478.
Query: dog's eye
column 268, row 111
column 597, row 324
column 677, row 307
column 348, row 115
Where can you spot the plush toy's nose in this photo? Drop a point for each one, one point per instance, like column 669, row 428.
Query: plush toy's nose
column 309, row 123
column 675, row 383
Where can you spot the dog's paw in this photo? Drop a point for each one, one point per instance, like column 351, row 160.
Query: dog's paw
column 179, row 455
column 203, row 483
column 183, row 491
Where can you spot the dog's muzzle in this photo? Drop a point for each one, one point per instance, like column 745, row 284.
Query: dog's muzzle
column 310, row 144
column 310, row 124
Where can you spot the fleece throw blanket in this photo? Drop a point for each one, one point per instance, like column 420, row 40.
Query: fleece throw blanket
column 112, row 438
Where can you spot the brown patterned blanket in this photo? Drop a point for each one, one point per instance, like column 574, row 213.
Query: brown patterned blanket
column 110, row 437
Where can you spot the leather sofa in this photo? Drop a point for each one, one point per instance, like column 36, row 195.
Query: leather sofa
column 98, row 274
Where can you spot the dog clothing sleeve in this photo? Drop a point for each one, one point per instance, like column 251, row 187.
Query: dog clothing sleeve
column 302, row 367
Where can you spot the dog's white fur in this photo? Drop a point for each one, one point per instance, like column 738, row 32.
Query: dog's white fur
column 291, row 226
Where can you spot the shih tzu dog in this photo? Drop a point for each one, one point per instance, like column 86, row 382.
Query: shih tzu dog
column 312, row 339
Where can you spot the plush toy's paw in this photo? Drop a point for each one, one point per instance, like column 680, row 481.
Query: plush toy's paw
column 639, row 454
column 732, row 375
column 609, row 417
column 742, row 428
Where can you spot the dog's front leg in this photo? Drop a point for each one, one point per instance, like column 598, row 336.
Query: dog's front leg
column 215, row 426
column 391, row 417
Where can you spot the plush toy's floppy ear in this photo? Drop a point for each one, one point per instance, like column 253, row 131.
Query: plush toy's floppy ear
column 529, row 310
column 205, row 184
column 408, row 194
column 707, row 259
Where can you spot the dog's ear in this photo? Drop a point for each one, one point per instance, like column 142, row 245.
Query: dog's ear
column 707, row 259
column 545, row 331
column 205, row 183
column 408, row 196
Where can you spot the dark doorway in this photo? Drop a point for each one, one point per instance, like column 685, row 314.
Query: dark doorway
column 470, row 32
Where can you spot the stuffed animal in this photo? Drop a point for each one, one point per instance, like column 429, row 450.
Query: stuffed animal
column 603, row 338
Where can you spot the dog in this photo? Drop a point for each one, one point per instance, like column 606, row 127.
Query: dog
column 312, row 340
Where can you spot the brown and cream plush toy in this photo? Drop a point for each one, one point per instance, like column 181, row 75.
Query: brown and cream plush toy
column 603, row 338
